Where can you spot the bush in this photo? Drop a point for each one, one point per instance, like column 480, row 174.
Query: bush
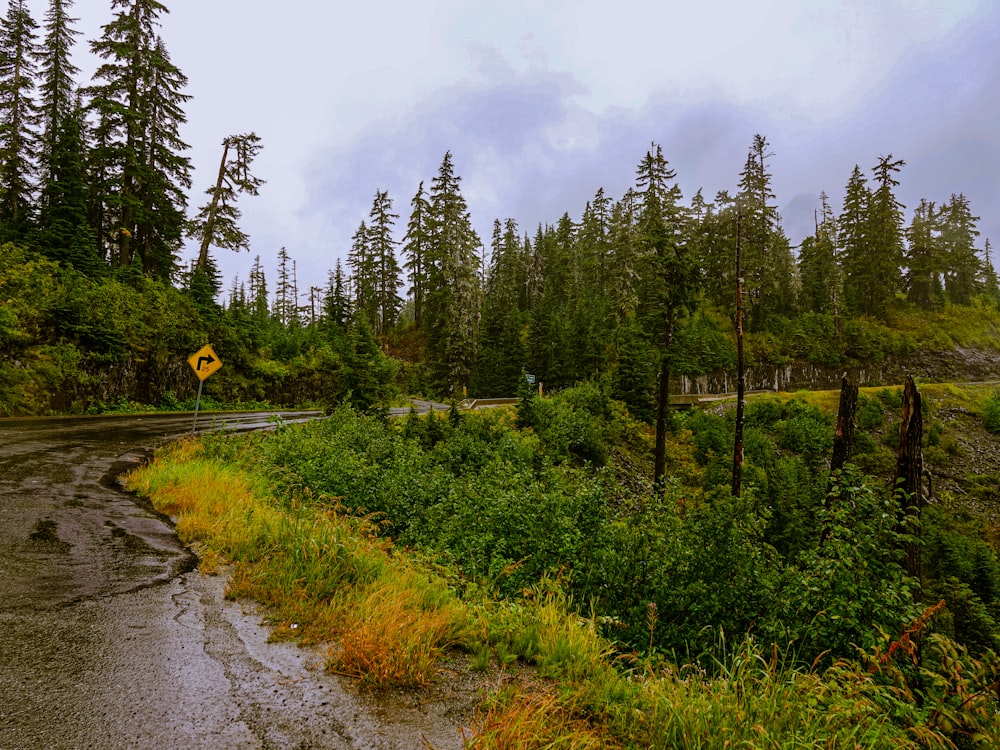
column 991, row 413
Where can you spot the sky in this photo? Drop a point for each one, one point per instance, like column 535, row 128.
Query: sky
column 543, row 102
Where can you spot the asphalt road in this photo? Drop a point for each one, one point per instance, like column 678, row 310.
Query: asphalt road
column 109, row 638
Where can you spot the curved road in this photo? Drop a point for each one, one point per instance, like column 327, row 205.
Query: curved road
column 110, row 639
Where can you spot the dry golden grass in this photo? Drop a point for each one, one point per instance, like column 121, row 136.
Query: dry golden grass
column 533, row 721
column 390, row 638
column 323, row 575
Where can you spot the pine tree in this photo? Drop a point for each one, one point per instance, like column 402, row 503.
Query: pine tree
column 336, row 304
column 623, row 266
column 990, row 285
column 958, row 237
column 819, row 271
column 216, row 222
column 550, row 355
column 924, row 266
column 286, row 302
column 364, row 276
column 590, row 316
column 58, row 88
column 416, row 245
column 855, row 243
column 713, row 241
column 19, row 120
column 767, row 259
column 452, row 297
column 388, row 275
column 138, row 162
column 874, row 276
column 64, row 229
column 672, row 277
column 501, row 353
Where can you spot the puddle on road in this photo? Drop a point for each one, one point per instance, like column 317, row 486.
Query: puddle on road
column 44, row 538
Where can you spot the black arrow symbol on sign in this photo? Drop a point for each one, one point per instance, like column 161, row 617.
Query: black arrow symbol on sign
column 206, row 360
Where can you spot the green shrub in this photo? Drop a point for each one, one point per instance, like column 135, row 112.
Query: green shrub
column 991, row 413
column 870, row 413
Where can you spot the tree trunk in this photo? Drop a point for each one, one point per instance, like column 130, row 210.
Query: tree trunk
column 663, row 403
column 736, row 489
column 843, row 437
column 909, row 472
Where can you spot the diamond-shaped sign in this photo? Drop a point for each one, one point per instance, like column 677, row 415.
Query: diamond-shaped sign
column 204, row 362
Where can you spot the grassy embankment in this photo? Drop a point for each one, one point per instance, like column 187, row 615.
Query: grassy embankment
column 389, row 615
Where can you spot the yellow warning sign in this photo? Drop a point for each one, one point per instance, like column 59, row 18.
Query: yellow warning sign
column 204, row 362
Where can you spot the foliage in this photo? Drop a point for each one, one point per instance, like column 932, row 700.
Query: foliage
column 991, row 413
column 325, row 574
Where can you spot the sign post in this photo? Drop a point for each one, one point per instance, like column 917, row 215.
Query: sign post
column 204, row 362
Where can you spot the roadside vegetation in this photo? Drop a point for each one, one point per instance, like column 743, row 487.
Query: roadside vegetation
column 687, row 618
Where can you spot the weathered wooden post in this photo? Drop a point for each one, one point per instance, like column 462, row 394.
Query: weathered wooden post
column 909, row 473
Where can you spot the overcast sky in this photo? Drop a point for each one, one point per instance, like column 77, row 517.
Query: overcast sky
column 543, row 102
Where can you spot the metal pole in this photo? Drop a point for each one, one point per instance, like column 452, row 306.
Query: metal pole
column 197, row 405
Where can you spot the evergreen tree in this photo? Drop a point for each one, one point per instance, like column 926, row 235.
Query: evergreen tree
column 258, row 291
column 388, row 275
column 501, row 353
column 139, row 167
column 452, row 297
column 19, row 120
column 855, row 242
column 671, row 280
column 216, row 222
column 58, row 88
column 990, row 285
column 63, row 230
column 590, row 316
column 416, row 245
column 767, row 259
column 623, row 267
column 550, row 354
column 713, row 241
column 924, row 266
column 336, row 304
column 873, row 277
column 819, row 271
column 286, row 299
column 364, row 275
column 958, row 237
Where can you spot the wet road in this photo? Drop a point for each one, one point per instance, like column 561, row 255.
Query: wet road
column 109, row 639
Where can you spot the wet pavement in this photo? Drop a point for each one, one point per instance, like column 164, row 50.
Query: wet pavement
column 110, row 639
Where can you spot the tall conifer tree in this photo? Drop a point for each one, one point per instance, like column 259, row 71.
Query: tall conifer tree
column 767, row 259
column 452, row 298
column 139, row 162
column 388, row 275
column 19, row 120
column 216, row 222
column 416, row 245
column 671, row 276
column 64, row 231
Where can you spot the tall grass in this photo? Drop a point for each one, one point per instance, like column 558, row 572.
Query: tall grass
column 316, row 568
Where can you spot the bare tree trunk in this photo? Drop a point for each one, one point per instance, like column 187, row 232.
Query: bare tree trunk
column 740, row 371
column 843, row 437
column 206, row 241
column 909, row 471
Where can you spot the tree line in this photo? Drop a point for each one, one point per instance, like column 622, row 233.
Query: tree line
column 634, row 292
column 627, row 290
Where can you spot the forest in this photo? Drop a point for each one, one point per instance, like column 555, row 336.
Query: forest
column 97, row 309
